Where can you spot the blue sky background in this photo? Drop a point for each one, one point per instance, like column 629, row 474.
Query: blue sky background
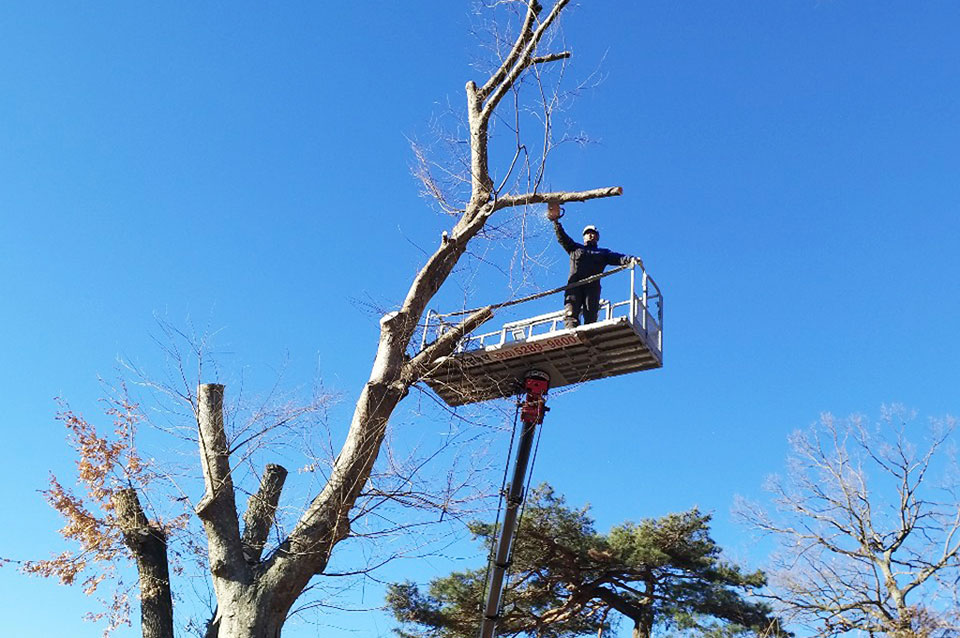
column 791, row 175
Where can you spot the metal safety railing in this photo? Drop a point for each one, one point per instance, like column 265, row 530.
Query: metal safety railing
column 636, row 308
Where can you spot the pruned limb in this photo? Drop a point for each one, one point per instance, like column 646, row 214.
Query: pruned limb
column 148, row 544
column 217, row 509
column 561, row 197
column 553, row 57
column 130, row 517
column 261, row 510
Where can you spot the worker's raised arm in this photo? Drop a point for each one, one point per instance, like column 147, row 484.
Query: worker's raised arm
column 565, row 240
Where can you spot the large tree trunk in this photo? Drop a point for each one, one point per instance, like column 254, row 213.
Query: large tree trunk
column 246, row 615
column 644, row 622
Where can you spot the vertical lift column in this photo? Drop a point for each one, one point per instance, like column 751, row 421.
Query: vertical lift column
column 535, row 385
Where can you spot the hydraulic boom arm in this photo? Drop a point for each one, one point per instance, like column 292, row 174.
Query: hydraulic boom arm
column 535, row 385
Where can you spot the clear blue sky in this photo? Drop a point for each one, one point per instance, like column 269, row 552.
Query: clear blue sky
column 791, row 175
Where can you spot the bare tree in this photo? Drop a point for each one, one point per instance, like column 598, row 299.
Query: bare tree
column 256, row 587
column 868, row 528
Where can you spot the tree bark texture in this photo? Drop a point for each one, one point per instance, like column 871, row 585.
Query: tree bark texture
column 148, row 543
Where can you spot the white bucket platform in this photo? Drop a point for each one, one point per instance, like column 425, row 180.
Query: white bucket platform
column 627, row 337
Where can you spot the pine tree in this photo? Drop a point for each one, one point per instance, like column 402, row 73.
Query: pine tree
column 660, row 574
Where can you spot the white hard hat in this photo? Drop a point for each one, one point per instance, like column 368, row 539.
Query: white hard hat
column 590, row 228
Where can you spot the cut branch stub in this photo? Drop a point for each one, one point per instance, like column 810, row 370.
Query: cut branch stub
column 130, row 517
column 261, row 510
column 214, row 453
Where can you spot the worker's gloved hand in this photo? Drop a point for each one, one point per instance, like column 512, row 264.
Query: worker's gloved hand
column 554, row 212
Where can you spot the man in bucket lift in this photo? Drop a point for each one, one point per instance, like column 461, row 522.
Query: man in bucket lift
column 586, row 260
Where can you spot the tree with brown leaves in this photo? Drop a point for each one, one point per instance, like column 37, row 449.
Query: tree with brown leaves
column 107, row 519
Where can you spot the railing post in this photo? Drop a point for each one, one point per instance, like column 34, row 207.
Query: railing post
column 644, row 286
column 633, row 293
column 660, row 316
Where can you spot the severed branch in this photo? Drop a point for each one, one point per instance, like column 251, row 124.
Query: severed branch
column 260, row 512
column 553, row 57
column 560, row 197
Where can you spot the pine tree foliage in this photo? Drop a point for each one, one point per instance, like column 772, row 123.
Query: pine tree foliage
column 566, row 578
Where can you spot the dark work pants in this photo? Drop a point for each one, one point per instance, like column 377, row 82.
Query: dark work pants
column 582, row 299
